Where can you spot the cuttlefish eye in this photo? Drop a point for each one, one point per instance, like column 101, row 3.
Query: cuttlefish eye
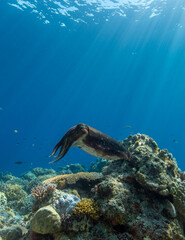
column 82, row 127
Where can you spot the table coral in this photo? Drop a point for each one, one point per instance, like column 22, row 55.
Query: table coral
column 82, row 182
column 73, row 178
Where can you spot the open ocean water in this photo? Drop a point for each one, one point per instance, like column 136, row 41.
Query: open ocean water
column 118, row 66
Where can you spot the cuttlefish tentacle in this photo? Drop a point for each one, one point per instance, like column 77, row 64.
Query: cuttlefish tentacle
column 64, row 149
column 67, row 141
column 91, row 141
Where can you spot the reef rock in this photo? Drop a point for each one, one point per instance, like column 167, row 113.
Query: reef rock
column 45, row 220
column 143, row 193
column 154, row 169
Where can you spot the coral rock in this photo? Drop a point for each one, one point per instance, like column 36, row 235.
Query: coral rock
column 45, row 220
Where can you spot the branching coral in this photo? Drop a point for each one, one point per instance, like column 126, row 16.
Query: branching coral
column 87, row 207
column 42, row 192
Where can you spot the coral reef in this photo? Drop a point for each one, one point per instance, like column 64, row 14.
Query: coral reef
column 41, row 171
column 142, row 198
column 16, row 197
column 14, row 192
column 137, row 194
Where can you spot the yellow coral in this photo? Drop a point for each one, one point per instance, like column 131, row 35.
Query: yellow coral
column 87, row 207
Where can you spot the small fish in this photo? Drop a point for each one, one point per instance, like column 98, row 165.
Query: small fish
column 17, row 143
column 175, row 141
column 128, row 126
column 18, row 162
column 15, row 131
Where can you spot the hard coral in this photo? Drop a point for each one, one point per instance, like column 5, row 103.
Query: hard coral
column 87, row 207
column 14, row 192
column 42, row 192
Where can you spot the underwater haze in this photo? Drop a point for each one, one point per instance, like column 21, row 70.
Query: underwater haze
column 115, row 65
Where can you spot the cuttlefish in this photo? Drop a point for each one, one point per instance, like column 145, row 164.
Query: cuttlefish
column 91, row 141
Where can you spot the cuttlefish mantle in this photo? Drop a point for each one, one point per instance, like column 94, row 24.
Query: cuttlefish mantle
column 91, row 141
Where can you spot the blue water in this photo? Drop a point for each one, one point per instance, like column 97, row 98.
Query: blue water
column 107, row 74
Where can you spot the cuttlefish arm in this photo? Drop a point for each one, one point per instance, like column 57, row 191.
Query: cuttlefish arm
column 68, row 140
column 91, row 141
